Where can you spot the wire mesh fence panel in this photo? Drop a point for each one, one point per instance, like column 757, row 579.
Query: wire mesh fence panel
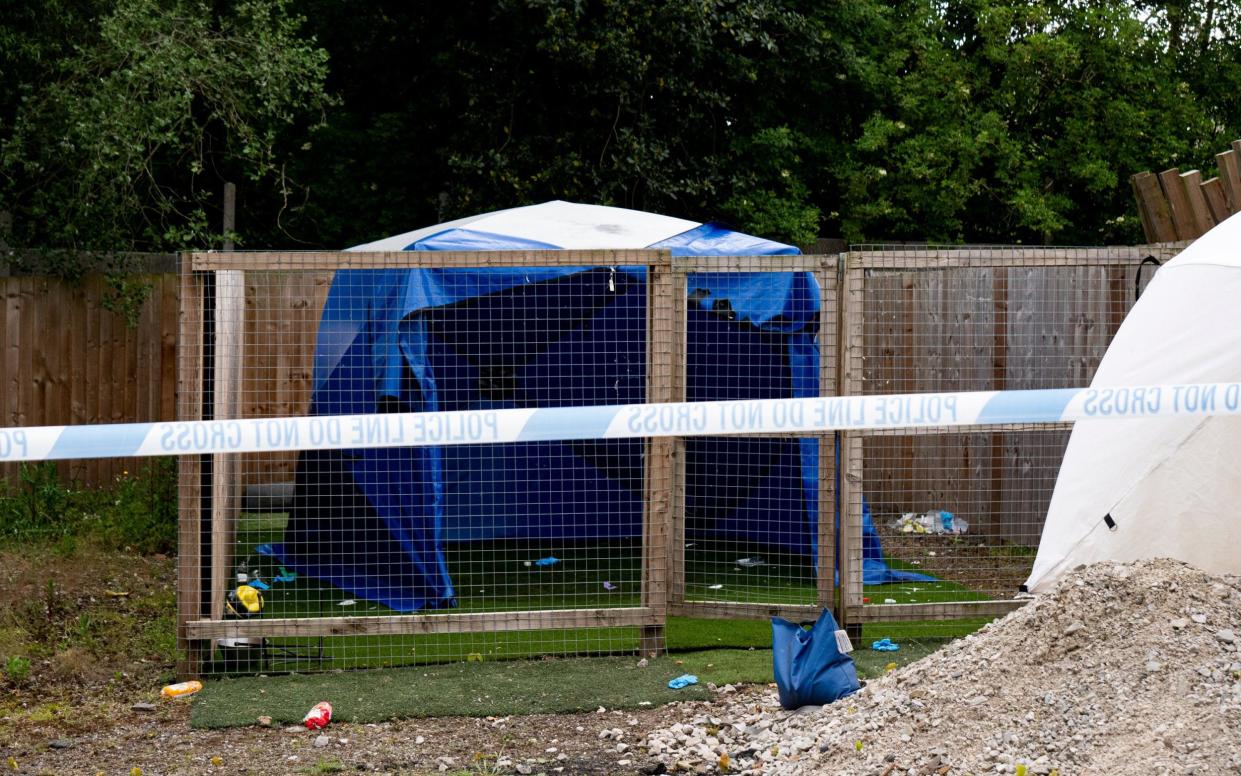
column 945, row 523
column 489, row 535
column 752, row 504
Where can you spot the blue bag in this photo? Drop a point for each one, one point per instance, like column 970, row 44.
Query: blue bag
column 811, row 666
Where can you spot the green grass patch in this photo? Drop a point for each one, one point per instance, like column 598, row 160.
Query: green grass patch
column 459, row 689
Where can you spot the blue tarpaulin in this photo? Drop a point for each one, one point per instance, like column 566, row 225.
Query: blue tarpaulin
column 375, row 522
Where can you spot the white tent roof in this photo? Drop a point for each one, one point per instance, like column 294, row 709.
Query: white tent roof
column 1170, row 485
column 568, row 225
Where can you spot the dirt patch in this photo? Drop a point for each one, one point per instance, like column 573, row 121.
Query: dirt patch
column 81, row 628
column 977, row 562
column 161, row 742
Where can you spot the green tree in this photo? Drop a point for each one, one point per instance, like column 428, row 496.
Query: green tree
column 120, row 120
column 1022, row 120
column 698, row 108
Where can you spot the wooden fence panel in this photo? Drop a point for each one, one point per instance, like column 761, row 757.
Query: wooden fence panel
column 282, row 322
column 929, row 329
column 67, row 360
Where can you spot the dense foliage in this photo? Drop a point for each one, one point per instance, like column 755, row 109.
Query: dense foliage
column 979, row 120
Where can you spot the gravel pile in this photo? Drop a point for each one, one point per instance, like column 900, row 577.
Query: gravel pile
column 1123, row 668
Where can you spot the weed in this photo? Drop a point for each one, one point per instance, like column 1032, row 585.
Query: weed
column 142, row 513
column 43, row 619
column 39, row 505
column 85, row 630
column 17, row 668
column 327, row 766
column 46, row 712
column 138, row 512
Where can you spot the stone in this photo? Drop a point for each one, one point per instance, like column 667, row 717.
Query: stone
column 61, row 743
column 1226, row 635
column 145, row 708
column 1198, row 618
column 1179, row 623
column 322, row 741
column 264, row 720
column 1074, row 627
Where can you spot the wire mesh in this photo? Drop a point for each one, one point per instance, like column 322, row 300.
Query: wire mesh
column 500, row 538
column 505, row 550
column 955, row 517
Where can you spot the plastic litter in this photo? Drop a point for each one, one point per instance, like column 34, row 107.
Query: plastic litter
column 181, row 689
column 347, row 602
column 259, row 584
column 683, row 680
column 285, row 575
column 319, row 716
column 245, row 601
column 610, row 587
column 715, row 587
column 812, row 667
column 544, row 562
column 265, row 549
column 749, row 563
column 937, row 521
column 885, row 645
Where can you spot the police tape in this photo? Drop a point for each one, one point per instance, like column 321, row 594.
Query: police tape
column 711, row 418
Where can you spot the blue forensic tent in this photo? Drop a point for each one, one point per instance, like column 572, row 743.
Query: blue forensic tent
column 375, row 521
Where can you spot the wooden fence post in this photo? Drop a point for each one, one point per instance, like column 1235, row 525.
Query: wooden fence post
column 189, row 474
column 829, row 362
column 852, row 347
column 665, row 338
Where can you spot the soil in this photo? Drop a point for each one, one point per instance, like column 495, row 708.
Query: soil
column 116, row 739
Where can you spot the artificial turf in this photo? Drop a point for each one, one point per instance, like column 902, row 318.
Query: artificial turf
column 502, row 576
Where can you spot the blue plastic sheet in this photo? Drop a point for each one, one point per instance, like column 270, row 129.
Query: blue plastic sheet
column 809, row 667
column 375, row 521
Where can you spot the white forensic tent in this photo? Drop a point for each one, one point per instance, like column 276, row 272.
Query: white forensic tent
column 1160, row 487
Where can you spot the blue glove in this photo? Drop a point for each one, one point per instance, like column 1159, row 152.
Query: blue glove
column 885, row 645
column 682, row 680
